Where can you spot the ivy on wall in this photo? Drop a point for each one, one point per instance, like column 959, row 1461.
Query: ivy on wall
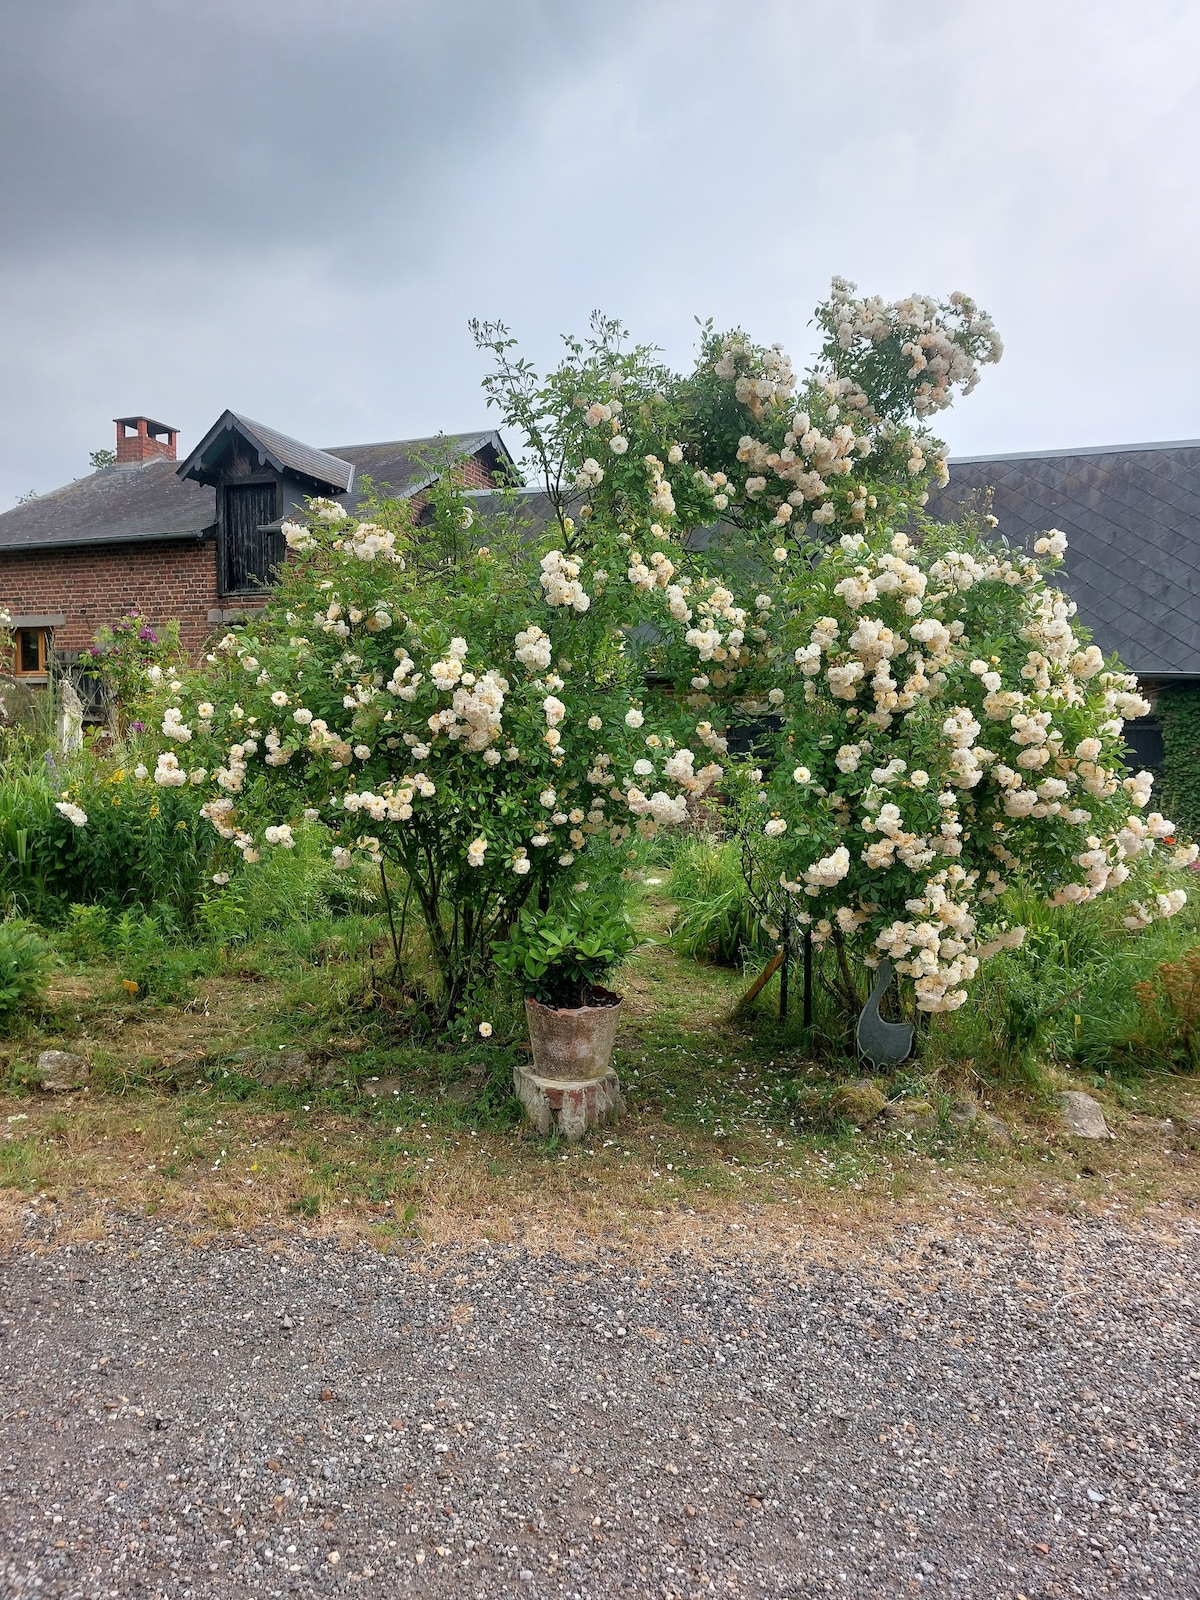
column 1179, row 714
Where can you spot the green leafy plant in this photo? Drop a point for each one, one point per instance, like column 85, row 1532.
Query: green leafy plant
column 1179, row 712
column 24, row 963
column 561, row 956
column 87, row 932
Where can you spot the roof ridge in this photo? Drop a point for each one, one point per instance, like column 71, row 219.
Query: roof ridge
column 1079, row 450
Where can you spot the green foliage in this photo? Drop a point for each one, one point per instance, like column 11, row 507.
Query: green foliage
column 129, row 660
column 1179, row 712
column 102, row 458
column 24, row 963
column 715, row 921
column 1074, row 993
column 559, row 956
column 141, row 845
column 86, row 932
column 152, row 956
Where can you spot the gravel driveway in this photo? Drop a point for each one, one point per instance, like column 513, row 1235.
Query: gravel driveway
column 1003, row 1412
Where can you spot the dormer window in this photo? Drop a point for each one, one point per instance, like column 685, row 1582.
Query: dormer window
column 261, row 477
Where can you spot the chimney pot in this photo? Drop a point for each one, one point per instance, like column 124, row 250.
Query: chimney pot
column 141, row 439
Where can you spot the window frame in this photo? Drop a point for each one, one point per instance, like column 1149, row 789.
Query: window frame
column 44, row 645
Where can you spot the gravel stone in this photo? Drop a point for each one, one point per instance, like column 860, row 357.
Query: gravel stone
column 989, row 1410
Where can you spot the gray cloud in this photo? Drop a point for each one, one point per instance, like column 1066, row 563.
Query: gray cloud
column 292, row 207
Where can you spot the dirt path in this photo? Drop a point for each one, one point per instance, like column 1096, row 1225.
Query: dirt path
column 1007, row 1412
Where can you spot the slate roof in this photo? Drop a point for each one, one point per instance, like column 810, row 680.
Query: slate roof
column 118, row 505
column 114, row 505
column 325, row 470
column 403, row 465
column 1131, row 514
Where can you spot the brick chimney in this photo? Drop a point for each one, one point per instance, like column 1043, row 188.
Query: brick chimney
column 139, row 440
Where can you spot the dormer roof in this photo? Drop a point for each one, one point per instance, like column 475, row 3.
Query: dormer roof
column 327, row 473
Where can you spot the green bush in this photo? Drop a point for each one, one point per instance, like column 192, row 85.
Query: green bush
column 1074, row 993
column 152, row 954
column 142, row 845
column 1179, row 713
column 24, row 964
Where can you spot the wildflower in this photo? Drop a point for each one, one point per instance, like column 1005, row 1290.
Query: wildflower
column 73, row 813
column 485, row 1030
column 475, row 852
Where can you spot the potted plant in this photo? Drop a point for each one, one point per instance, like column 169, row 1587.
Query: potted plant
column 559, row 957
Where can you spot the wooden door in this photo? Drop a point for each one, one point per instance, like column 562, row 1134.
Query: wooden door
column 250, row 553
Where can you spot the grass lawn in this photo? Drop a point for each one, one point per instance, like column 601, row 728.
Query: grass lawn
column 282, row 1092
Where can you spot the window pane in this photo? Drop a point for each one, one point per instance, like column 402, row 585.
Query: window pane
column 29, row 650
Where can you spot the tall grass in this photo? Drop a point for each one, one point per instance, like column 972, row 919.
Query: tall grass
column 715, row 921
column 1081, row 992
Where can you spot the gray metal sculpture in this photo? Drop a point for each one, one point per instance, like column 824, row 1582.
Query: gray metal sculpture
column 884, row 1044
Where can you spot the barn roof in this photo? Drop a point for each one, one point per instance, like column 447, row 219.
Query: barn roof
column 120, row 505
column 1131, row 514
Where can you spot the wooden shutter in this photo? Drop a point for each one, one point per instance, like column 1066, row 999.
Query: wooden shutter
column 250, row 554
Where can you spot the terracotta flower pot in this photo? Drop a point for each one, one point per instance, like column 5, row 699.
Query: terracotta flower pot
column 573, row 1044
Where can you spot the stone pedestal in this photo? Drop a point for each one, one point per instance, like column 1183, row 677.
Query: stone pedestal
column 574, row 1106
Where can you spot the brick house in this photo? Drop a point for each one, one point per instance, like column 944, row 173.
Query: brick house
column 194, row 540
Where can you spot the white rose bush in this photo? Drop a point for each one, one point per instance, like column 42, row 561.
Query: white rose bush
column 943, row 729
column 474, row 699
column 463, row 714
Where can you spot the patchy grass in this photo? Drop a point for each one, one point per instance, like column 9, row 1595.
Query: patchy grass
column 283, row 1094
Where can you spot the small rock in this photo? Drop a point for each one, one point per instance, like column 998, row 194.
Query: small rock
column 61, row 1071
column 910, row 1116
column 963, row 1114
column 1150, row 1127
column 383, row 1088
column 859, row 1102
column 1095, row 1497
column 993, row 1131
column 460, row 1094
column 1083, row 1117
column 283, row 1066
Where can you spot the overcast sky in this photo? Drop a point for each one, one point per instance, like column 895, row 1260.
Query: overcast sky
column 292, row 207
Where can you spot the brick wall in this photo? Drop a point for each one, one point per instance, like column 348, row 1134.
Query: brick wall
column 163, row 579
column 476, row 472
